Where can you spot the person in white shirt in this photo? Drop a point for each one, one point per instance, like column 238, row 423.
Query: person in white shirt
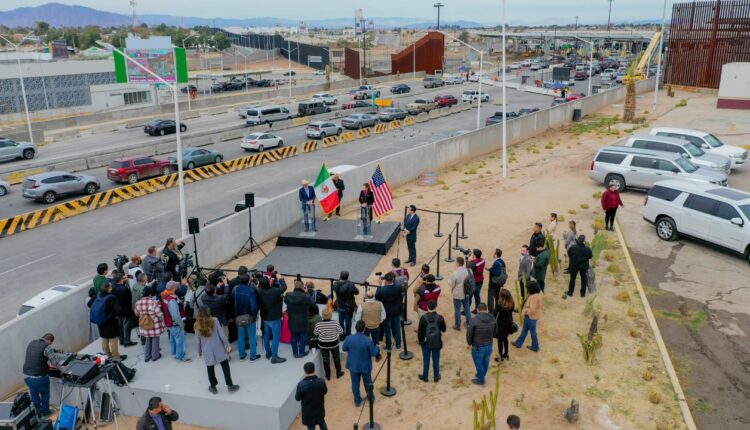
column 552, row 226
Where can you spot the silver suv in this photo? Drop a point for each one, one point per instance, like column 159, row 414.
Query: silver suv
column 12, row 150
column 47, row 187
column 626, row 167
column 682, row 147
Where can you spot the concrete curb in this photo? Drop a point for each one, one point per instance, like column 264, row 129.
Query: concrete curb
column 679, row 394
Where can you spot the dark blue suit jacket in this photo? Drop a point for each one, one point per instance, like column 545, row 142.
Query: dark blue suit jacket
column 303, row 198
column 411, row 225
column 360, row 349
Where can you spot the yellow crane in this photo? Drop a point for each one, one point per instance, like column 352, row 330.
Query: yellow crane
column 640, row 70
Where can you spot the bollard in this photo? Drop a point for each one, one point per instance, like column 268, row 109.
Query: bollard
column 463, row 231
column 332, row 282
column 437, row 271
column 449, row 259
column 456, row 230
column 388, row 391
column 438, row 234
column 372, row 425
column 405, row 354
column 406, row 320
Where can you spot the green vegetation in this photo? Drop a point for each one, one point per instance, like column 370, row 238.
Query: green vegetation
column 601, row 125
column 681, row 103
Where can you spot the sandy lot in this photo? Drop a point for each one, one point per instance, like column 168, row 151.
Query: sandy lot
column 546, row 174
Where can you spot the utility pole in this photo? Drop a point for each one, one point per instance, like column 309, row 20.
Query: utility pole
column 438, row 5
column 609, row 16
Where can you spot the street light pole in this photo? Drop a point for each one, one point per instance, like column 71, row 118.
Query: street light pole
column 505, row 134
column 20, row 78
column 658, row 65
column 609, row 16
column 180, row 180
column 289, row 59
column 481, row 58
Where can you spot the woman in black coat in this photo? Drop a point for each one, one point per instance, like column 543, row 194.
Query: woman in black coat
column 298, row 305
column 504, row 318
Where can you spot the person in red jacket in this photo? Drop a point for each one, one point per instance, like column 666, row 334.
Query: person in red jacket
column 610, row 202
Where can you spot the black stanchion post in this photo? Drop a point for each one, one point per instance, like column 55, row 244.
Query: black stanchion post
column 437, row 271
column 388, row 391
column 438, row 234
column 455, row 230
column 449, row 259
column 407, row 321
column 463, row 231
column 405, row 354
column 372, row 425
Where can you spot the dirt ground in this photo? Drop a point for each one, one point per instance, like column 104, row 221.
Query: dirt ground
column 546, row 174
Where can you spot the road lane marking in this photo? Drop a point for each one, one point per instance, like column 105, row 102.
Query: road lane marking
column 26, row 264
column 152, row 217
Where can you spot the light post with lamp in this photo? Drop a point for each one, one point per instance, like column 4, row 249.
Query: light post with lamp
column 479, row 81
column 20, row 78
column 180, row 180
column 591, row 62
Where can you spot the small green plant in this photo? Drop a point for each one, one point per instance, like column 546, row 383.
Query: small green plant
column 560, row 218
column 420, row 196
column 464, row 181
column 584, row 206
column 572, row 211
column 549, row 146
column 471, row 171
column 641, row 352
column 622, row 296
column 440, row 182
column 445, row 188
column 632, row 313
column 487, row 407
column 608, row 256
column 654, row 397
column 613, row 268
column 591, row 341
column 535, row 151
column 598, row 224
column 634, row 333
column 647, row 376
column 598, row 244
column 491, row 157
column 681, row 103
column 597, row 195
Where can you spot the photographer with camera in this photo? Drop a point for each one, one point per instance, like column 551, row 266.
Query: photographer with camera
column 121, row 291
column 153, row 265
column 391, row 296
column 346, row 303
column 171, row 255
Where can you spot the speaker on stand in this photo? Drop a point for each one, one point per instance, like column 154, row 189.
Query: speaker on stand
column 251, row 244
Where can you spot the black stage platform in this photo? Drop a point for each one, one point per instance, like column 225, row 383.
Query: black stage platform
column 342, row 235
column 335, row 247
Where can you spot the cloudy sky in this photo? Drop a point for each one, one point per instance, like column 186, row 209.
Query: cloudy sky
column 484, row 11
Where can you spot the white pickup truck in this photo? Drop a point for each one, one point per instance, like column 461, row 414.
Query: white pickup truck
column 366, row 92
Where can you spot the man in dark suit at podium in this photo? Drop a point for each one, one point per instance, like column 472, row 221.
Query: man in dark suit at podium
column 307, row 200
column 411, row 222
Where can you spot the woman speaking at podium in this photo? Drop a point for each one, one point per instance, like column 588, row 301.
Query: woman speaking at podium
column 366, row 200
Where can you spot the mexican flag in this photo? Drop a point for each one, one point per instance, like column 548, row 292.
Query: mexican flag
column 326, row 192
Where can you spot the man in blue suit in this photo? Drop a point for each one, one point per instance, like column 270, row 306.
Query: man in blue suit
column 307, row 200
column 360, row 349
column 411, row 222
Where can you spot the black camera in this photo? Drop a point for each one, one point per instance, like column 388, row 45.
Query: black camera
column 465, row 251
column 186, row 263
column 120, row 262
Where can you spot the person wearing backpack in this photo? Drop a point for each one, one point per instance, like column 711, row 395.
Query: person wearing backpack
column 456, row 282
column 151, row 322
column 104, row 309
column 429, row 337
column 174, row 320
column 498, row 277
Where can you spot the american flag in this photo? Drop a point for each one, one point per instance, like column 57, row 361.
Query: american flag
column 383, row 196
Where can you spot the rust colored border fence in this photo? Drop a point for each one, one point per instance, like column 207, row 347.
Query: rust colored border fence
column 703, row 36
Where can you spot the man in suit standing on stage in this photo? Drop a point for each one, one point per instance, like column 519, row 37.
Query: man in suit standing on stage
column 411, row 222
column 307, row 200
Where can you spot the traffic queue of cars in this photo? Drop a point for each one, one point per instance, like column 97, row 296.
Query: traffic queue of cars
column 49, row 187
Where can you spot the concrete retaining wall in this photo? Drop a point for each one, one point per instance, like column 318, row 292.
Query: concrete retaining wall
column 66, row 316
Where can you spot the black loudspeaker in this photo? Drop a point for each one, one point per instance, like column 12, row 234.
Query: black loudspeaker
column 250, row 200
column 194, row 226
column 105, row 411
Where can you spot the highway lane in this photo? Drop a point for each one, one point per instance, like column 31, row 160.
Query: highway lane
column 68, row 252
column 15, row 203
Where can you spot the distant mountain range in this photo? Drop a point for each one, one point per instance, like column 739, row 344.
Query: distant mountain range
column 61, row 15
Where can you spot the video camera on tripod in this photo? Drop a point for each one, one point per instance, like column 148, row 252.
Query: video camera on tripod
column 185, row 264
column 120, row 261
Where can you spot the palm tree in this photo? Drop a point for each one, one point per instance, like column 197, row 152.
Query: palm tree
column 629, row 113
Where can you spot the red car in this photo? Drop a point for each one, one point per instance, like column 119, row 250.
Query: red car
column 572, row 97
column 133, row 169
column 444, row 101
column 580, row 76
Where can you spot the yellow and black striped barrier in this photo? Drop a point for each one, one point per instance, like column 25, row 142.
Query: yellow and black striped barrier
column 31, row 220
column 310, row 146
column 394, row 125
column 408, row 121
column 363, row 132
column 380, row 128
column 330, row 141
column 347, row 137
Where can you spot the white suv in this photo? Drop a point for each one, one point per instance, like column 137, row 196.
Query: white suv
column 709, row 213
column 705, row 140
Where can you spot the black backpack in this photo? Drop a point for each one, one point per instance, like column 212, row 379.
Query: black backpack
column 469, row 283
column 433, row 336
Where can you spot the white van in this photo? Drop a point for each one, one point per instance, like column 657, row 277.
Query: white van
column 267, row 115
